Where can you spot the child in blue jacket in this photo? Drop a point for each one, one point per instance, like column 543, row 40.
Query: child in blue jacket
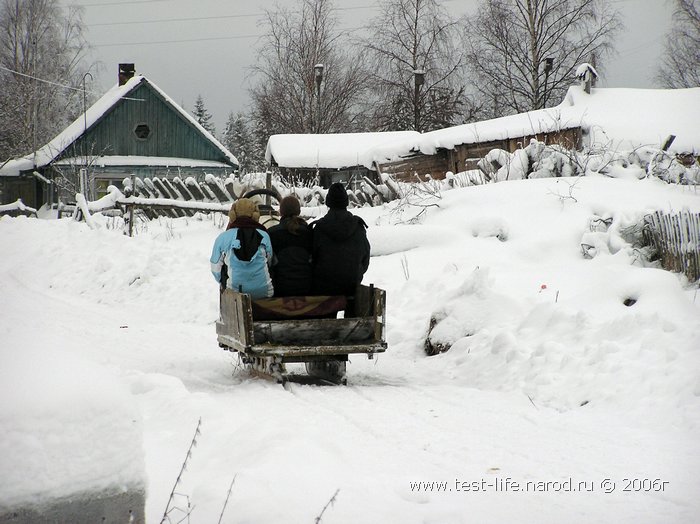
column 246, row 251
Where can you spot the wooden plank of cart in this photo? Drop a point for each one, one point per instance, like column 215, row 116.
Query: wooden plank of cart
column 318, row 331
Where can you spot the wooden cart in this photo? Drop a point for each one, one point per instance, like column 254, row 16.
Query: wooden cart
column 295, row 333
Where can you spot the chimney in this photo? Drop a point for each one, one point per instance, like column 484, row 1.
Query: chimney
column 126, row 72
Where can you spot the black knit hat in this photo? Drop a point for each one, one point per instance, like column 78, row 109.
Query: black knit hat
column 337, row 197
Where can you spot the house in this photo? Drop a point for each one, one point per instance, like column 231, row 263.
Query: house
column 614, row 118
column 135, row 129
column 459, row 148
column 328, row 158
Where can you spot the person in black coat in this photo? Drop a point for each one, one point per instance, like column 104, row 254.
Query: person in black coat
column 291, row 244
column 340, row 255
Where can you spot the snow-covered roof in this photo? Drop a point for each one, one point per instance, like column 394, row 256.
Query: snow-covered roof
column 70, row 134
column 628, row 118
column 512, row 126
column 134, row 160
column 331, row 151
column 620, row 118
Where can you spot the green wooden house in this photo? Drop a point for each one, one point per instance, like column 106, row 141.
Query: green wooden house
column 135, row 129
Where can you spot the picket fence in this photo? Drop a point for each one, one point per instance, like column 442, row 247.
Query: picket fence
column 676, row 238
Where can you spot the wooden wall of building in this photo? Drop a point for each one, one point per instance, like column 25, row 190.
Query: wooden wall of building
column 169, row 133
column 406, row 169
column 465, row 156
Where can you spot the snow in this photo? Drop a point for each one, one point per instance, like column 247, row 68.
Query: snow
column 550, row 377
column 624, row 118
column 334, row 151
column 621, row 119
column 92, row 115
column 585, row 68
column 17, row 205
column 69, row 426
column 136, row 160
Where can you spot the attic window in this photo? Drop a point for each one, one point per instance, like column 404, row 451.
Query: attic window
column 142, row 131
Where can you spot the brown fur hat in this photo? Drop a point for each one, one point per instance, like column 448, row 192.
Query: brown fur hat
column 289, row 206
column 244, row 207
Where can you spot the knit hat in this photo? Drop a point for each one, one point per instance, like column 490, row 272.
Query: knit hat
column 244, row 207
column 289, row 206
column 337, row 197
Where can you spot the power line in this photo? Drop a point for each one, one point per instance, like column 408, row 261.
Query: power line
column 200, row 18
column 121, row 3
column 43, row 80
column 165, row 20
column 207, row 39
column 65, row 86
column 179, row 41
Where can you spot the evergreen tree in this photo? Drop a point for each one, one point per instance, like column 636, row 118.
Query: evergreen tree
column 202, row 115
column 236, row 140
column 240, row 139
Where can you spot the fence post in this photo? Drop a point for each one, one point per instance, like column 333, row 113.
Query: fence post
column 677, row 240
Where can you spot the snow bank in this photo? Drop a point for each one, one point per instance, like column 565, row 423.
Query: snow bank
column 67, row 427
column 500, row 270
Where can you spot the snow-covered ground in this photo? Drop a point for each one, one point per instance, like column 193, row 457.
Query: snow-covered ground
column 554, row 404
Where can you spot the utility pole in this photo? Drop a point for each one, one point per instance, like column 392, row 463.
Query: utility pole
column 419, row 78
column 318, row 72
column 32, row 30
column 548, row 65
column 85, row 174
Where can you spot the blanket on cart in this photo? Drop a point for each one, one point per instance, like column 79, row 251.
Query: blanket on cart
column 284, row 308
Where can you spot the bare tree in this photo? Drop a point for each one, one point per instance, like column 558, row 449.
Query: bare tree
column 42, row 51
column 293, row 94
column 416, row 67
column 524, row 53
column 680, row 65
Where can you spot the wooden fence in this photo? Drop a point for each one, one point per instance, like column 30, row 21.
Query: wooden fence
column 676, row 238
column 176, row 198
column 155, row 197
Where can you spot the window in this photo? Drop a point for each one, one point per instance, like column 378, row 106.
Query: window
column 142, row 131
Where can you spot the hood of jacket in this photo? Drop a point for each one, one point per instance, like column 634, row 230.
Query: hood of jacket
column 339, row 224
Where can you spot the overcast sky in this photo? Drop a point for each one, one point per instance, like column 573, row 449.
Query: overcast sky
column 204, row 47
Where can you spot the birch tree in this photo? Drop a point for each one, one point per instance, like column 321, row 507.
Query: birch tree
column 523, row 54
column 416, row 68
column 680, row 65
column 286, row 93
column 42, row 63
